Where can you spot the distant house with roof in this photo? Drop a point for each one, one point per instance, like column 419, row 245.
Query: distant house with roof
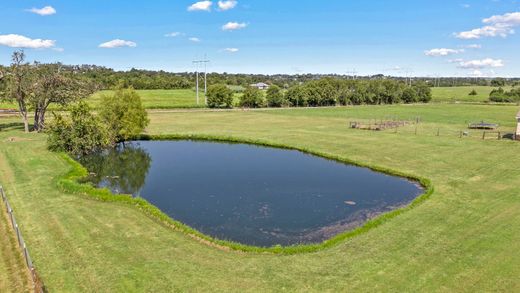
column 260, row 86
column 517, row 134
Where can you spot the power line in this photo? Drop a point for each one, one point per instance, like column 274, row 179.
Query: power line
column 197, row 63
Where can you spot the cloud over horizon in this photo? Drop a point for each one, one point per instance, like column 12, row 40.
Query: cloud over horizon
column 45, row 11
column 442, row 52
column 117, row 43
column 227, row 5
column 232, row 26
column 497, row 26
column 19, row 41
column 201, row 6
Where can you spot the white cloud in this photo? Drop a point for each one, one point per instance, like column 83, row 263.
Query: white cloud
column 231, row 50
column 201, row 6
column 477, row 73
column 466, row 6
column 226, row 5
column 442, row 52
column 497, row 26
column 47, row 10
column 18, row 41
column 479, row 64
column 474, row 46
column 174, row 34
column 231, row 26
column 512, row 19
column 195, row 40
column 58, row 49
column 117, row 43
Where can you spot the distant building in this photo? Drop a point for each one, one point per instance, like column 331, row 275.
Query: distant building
column 260, row 85
column 517, row 135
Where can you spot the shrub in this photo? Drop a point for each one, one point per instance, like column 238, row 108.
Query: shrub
column 80, row 134
column 501, row 96
column 275, row 97
column 252, row 98
column 220, row 96
column 123, row 114
column 473, row 93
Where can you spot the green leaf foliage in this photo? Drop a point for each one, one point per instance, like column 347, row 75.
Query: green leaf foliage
column 78, row 134
column 252, row 98
column 220, row 96
column 123, row 114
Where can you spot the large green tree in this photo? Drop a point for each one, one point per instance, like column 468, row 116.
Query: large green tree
column 79, row 133
column 56, row 85
column 252, row 98
column 220, row 96
column 124, row 115
column 275, row 97
column 19, row 85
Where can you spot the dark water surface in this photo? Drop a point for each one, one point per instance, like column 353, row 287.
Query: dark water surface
column 249, row 194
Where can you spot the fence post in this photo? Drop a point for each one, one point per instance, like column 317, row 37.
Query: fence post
column 484, row 135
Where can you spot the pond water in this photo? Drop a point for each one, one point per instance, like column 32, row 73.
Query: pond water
column 249, row 194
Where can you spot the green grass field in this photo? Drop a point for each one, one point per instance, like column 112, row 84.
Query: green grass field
column 464, row 238
column 161, row 99
column 461, row 94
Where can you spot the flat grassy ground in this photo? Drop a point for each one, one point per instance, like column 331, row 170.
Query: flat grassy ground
column 461, row 94
column 464, row 238
column 161, row 99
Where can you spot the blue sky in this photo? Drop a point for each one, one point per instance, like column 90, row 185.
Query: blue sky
column 398, row 37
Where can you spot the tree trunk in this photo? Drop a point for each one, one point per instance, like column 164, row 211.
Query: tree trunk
column 39, row 117
column 23, row 113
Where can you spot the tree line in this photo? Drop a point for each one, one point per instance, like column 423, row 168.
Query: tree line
column 323, row 92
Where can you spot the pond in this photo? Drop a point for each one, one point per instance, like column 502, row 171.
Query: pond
column 249, row 194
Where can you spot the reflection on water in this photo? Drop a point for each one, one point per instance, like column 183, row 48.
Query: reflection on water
column 122, row 169
column 249, row 194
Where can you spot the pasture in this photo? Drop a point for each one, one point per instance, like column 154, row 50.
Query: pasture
column 464, row 238
column 461, row 94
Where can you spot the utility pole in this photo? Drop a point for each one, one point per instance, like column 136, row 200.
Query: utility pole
column 197, row 63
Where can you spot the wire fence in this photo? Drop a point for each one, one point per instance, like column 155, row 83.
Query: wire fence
column 37, row 282
column 416, row 128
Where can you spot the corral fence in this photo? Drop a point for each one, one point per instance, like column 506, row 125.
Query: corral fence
column 37, row 282
column 415, row 127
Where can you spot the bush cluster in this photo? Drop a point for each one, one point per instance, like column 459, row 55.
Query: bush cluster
column 501, row 96
column 80, row 133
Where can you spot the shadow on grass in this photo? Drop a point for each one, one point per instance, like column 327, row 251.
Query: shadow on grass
column 11, row 126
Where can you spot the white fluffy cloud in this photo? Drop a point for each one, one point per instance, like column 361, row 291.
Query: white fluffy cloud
column 18, row 41
column 117, row 43
column 479, row 64
column 442, row 52
column 496, row 26
column 201, row 6
column 195, row 40
column 47, row 10
column 227, row 5
column 231, row 50
column 232, row 26
column 473, row 46
column 174, row 34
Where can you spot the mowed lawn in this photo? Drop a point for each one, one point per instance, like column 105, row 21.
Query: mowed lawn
column 464, row 238
column 461, row 94
column 160, row 99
